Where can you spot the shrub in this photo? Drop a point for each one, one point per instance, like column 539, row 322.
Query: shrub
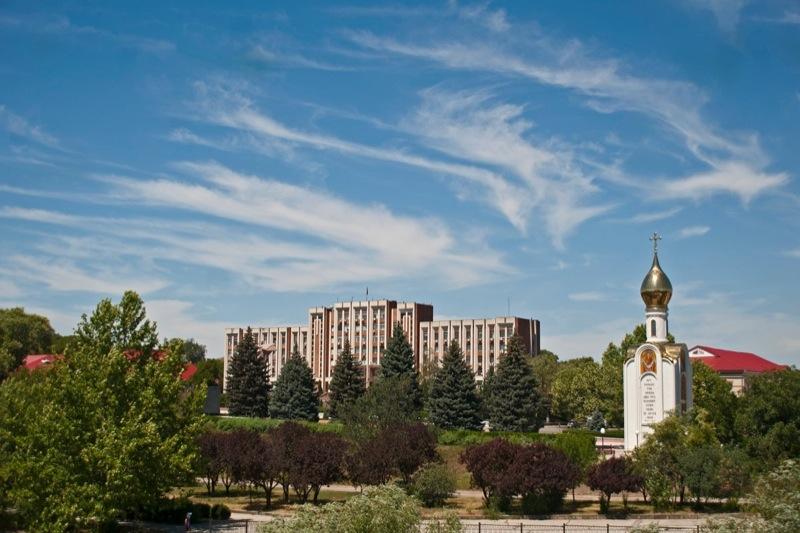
column 491, row 465
column 433, row 484
column 377, row 509
column 612, row 476
column 542, row 475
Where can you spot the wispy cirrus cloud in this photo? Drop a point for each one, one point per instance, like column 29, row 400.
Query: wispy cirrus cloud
column 655, row 215
column 296, row 248
column 608, row 88
column 20, row 126
column 61, row 25
column 262, row 54
column 727, row 12
column 693, row 231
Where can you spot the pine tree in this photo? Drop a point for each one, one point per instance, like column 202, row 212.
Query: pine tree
column 295, row 395
column 398, row 362
column 248, row 379
column 454, row 402
column 515, row 403
column 347, row 381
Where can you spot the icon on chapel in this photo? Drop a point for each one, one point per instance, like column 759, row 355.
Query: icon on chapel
column 648, row 362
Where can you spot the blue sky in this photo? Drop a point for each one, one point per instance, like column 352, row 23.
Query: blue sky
column 236, row 164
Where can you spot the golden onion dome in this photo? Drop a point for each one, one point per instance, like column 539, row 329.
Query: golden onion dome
column 656, row 288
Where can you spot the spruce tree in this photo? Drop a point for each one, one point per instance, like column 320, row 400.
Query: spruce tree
column 453, row 401
column 248, row 379
column 398, row 362
column 347, row 381
column 515, row 403
column 295, row 394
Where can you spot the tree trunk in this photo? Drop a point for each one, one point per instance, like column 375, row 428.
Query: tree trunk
column 316, row 493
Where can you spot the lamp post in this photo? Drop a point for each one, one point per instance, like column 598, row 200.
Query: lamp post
column 603, row 441
column 637, row 438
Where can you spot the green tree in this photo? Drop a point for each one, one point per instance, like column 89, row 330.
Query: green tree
column 515, row 402
column 768, row 418
column 545, row 368
column 580, row 448
column 347, row 381
column 398, row 361
column 576, row 389
column 22, row 334
column 454, row 401
column 295, row 394
column 713, row 393
column 123, row 326
column 388, row 402
column 248, row 379
column 191, row 351
column 209, row 371
column 98, row 433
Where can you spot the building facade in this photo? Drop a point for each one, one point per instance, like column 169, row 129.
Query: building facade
column 368, row 325
column 735, row 367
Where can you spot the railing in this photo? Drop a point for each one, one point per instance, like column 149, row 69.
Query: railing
column 489, row 527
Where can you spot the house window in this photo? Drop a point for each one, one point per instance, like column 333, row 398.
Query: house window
column 652, row 328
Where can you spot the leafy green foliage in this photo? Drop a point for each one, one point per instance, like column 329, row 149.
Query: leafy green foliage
column 123, row 326
column 576, row 389
column 712, row 392
column 209, row 371
column 545, row 368
column 579, row 447
column 101, row 432
column 387, row 402
column 397, row 361
column 248, row 379
column 22, row 334
column 515, row 403
column 295, row 394
column 768, row 418
column 453, row 401
column 347, row 382
column 433, row 484
column 376, row 510
column 190, row 350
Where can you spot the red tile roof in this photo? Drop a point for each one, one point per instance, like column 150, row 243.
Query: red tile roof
column 34, row 361
column 729, row 361
column 188, row 372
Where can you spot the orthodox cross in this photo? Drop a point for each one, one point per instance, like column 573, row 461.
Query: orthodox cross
column 655, row 238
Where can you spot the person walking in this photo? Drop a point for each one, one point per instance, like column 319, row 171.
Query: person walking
column 187, row 522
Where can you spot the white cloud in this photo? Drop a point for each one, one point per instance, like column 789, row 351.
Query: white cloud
column 608, row 88
column 20, row 126
column 732, row 177
column 495, row 20
column 64, row 276
column 590, row 296
column 230, row 108
column 61, row 25
column 793, row 253
column 9, row 289
column 316, row 240
column 261, row 54
column 693, row 231
column 727, row 12
column 655, row 215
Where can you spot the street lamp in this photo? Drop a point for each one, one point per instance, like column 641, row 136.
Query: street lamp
column 603, row 441
column 637, row 438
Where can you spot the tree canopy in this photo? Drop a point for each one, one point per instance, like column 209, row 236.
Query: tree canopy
column 248, row 384
column 453, row 402
column 397, row 361
column 22, row 334
column 515, row 403
column 295, row 394
column 347, row 381
column 100, row 432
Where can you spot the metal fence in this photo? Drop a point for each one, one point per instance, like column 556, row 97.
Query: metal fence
column 568, row 528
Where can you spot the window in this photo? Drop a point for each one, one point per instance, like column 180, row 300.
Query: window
column 652, row 328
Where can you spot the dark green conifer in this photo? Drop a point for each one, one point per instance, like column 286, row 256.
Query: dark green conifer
column 398, row 362
column 295, row 394
column 248, row 384
column 453, row 401
column 347, row 381
column 515, row 403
